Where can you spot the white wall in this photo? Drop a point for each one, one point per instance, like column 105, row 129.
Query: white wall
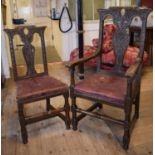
column 60, row 4
column 70, row 39
column 57, row 38
column 4, row 59
column 69, row 42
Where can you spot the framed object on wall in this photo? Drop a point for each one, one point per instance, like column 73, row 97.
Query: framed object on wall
column 3, row 9
column 40, row 8
column 3, row 2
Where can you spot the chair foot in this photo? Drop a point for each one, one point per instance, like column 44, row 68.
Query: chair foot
column 74, row 114
column 24, row 138
column 126, row 139
column 48, row 106
column 67, row 127
column 22, row 123
column 23, row 132
column 125, row 146
column 137, row 105
column 48, row 109
column 67, row 122
column 137, row 115
column 74, row 126
column 74, row 123
column 100, row 106
column 67, row 109
column 137, row 111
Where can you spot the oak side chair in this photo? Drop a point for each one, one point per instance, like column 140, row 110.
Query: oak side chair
column 117, row 87
column 35, row 86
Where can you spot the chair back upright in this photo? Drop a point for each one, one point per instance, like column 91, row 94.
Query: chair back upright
column 26, row 34
column 122, row 18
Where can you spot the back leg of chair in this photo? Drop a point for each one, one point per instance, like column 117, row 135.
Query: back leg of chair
column 67, row 109
column 127, row 125
column 100, row 105
column 137, row 105
column 48, row 106
column 22, row 123
column 74, row 113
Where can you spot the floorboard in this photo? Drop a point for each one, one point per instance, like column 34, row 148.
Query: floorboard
column 93, row 137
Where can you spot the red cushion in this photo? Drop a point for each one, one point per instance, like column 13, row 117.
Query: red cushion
column 104, row 87
column 106, row 46
column 39, row 86
column 107, row 38
column 87, row 51
column 129, row 58
column 109, row 58
column 95, row 42
column 109, row 29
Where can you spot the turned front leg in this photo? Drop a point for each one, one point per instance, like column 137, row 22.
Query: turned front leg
column 74, row 113
column 67, row 109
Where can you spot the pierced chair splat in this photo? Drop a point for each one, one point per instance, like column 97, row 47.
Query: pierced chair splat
column 35, row 86
column 102, row 86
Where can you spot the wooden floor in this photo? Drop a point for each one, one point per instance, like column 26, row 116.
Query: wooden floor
column 94, row 137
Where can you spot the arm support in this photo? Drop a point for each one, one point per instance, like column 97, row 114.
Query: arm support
column 132, row 70
column 72, row 64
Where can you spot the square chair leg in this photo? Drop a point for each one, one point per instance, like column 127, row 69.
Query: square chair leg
column 22, row 123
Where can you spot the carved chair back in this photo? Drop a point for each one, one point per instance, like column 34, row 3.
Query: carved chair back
column 122, row 18
column 26, row 34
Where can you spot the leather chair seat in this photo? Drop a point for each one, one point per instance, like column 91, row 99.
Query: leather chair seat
column 37, row 86
column 104, row 87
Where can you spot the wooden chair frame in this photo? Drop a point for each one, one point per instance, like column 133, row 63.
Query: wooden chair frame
column 26, row 34
column 122, row 18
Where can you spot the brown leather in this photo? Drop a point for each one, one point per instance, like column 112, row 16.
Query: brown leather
column 105, row 87
column 38, row 86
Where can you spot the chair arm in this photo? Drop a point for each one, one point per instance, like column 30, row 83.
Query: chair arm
column 72, row 64
column 132, row 70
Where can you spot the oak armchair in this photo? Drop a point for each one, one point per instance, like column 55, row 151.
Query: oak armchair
column 102, row 86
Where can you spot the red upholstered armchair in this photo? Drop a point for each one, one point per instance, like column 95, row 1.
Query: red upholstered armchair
column 108, row 56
